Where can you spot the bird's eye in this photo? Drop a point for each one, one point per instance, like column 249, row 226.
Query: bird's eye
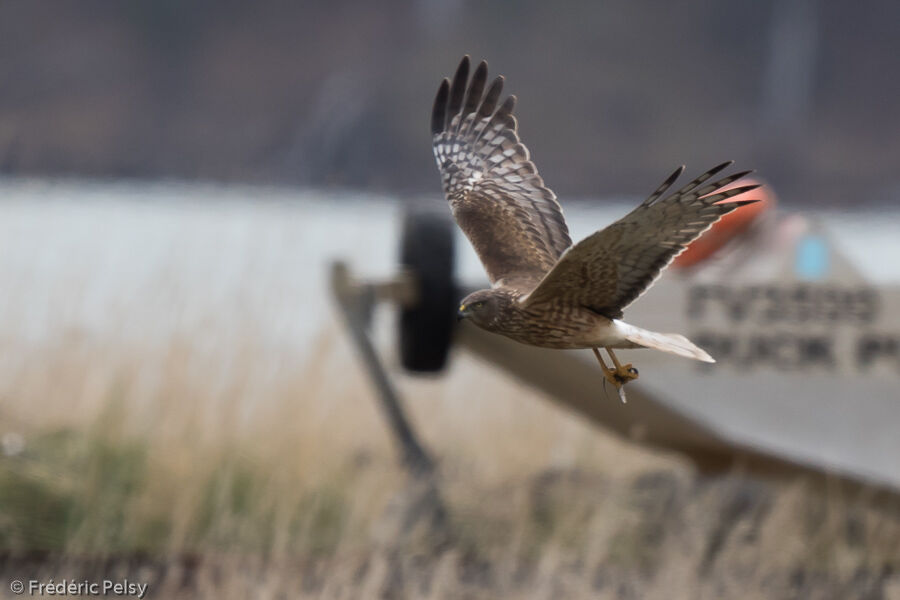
column 478, row 305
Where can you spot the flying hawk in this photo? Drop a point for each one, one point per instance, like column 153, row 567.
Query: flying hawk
column 545, row 291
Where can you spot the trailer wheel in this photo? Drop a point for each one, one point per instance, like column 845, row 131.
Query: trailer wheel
column 426, row 329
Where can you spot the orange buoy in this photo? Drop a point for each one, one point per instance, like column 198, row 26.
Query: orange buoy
column 730, row 226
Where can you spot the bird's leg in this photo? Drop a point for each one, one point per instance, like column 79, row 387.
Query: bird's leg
column 623, row 373
column 610, row 374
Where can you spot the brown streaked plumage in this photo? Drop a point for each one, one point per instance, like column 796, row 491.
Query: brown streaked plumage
column 546, row 292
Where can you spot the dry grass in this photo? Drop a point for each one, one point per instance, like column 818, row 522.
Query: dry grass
column 240, row 470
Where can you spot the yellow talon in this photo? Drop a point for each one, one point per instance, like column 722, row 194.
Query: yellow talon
column 619, row 376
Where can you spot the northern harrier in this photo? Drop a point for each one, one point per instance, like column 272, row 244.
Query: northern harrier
column 545, row 291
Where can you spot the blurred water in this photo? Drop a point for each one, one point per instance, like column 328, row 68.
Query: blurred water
column 139, row 261
column 144, row 260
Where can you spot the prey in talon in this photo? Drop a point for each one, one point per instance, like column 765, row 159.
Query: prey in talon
column 619, row 376
column 545, row 291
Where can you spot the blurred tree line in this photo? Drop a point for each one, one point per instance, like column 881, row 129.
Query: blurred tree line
column 613, row 94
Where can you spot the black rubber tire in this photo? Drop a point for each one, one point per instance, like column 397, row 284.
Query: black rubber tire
column 426, row 330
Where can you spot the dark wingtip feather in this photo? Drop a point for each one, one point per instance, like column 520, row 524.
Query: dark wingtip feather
column 733, row 192
column 742, row 174
column 504, row 113
column 439, row 111
column 730, row 206
column 744, row 189
column 463, row 68
column 458, row 87
column 476, row 88
column 675, row 175
column 508, row 105
column 663, row 186
column 707, row 176
column 489, row 103
column 718, row 168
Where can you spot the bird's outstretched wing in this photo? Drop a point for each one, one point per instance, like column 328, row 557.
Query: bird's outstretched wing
column 608, row 270
column 496, row 195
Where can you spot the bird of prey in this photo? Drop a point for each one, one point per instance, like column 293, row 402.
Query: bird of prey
column 545, row 291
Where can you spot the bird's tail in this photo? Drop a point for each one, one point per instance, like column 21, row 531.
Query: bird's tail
column 667, row 342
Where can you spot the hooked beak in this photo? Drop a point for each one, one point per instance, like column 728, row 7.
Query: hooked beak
column 462, row 312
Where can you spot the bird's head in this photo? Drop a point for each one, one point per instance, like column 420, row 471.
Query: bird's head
column 481, row 307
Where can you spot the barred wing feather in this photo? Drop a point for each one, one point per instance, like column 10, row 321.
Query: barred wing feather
column 610, row 269
column 497, row 197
